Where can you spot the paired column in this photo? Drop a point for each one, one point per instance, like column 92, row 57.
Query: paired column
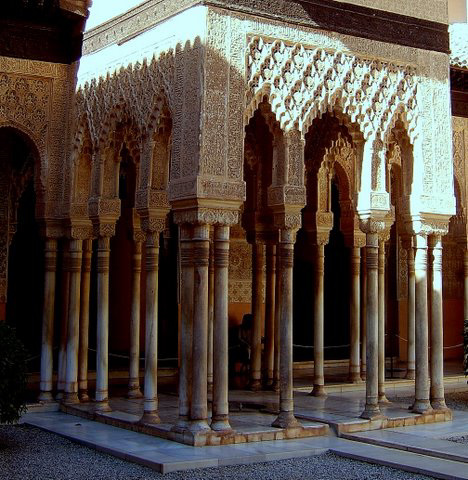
column 421, row 403
column 354, row 363
column 381, row 316
column 84, row 321
column 102, row 339
column 199, row 404
column 372, row 409
column 411, row 362
column 319, row 379
column 150, row 410
column 270, row 292
column 363, row 312
column 186, row 327
column 71, row 377
column 48, row 320
column 258, row 280
column 220, row 418
column 437, row 339
column 286, row 418
column 134, row 371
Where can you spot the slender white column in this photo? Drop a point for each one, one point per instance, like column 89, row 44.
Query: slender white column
column 48, row 320
column 84, row 322
column 134, row 390
column 410, row 369
column 150, row 409
column 71, row 377
column 354, row 363
column 421, row 402
column 276, row 373
column 186, row 327
column 102, row 338
column 211, row 290
column 437, row 336
column 65, row 293
column 201, row 252
column 319, row 378
column 270, row 313
column 257, row 303
column 363, row 313
column 286, row 418
column 220, row 420
column 465, row 298
column 381, row 327
column 372, row 409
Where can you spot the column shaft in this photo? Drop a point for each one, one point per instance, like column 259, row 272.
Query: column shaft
column 150, row 409
column 381, row 327
column 437, row 337
column 220, row 421
column 102, row 337
column 411, row 314
column 48, row 320
column 201, row 252
column 354, row 363
column 286, row 418
column 421, row 403
column 211, row 294
column 372, row 409
column 363, row 312
column 276, row 373
column 257, row 304
column 319, row 378
column 270, row 313
column 84, row 321
column 134, row 371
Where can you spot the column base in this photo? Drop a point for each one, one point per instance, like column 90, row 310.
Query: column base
column 221, row 423
column 363, row 374
column 150, row 418
column 421, row 406
column 45, row 397
column 383, row 398
column 410, row 375
column 255, row 385
column 199, row 426
column 439, row 405
column 70, row 398
column 210, row 387
column 275, row 386
column 355, row 377
column 134, row 392
column 84, row 397
column 59, row 395
column 286, row 420
column 372, row 412
column 318, row 391
column 102, row 406
column 182, row 425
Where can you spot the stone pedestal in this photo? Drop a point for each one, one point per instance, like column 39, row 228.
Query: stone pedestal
column 48, row 320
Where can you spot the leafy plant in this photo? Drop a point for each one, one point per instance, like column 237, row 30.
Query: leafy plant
column 13, row 371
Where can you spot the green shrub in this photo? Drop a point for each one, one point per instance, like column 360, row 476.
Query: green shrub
column 13, row 370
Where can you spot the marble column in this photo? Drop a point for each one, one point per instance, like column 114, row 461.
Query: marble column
column 258, row 281
column 270, row 314
column 286, row 418
column 199, row 405
column 84, row 321
column 410, row 369
column 372, row 409
column 276, row 368
column 48, row 320
column 186, row 327
column 211, row 297
column 102, row 337
column 381, row 327
column 71, row 377
column 220, row 419
column 363, row 313
column 319, row 378
column 151, row 407
column 64, row 295
column 421, row 402
column 134, row 390
column 465, row 297
column 354, row 362
column 437, row 336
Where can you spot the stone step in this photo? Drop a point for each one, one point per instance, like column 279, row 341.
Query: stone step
column 431, row 447
column 402, row 460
